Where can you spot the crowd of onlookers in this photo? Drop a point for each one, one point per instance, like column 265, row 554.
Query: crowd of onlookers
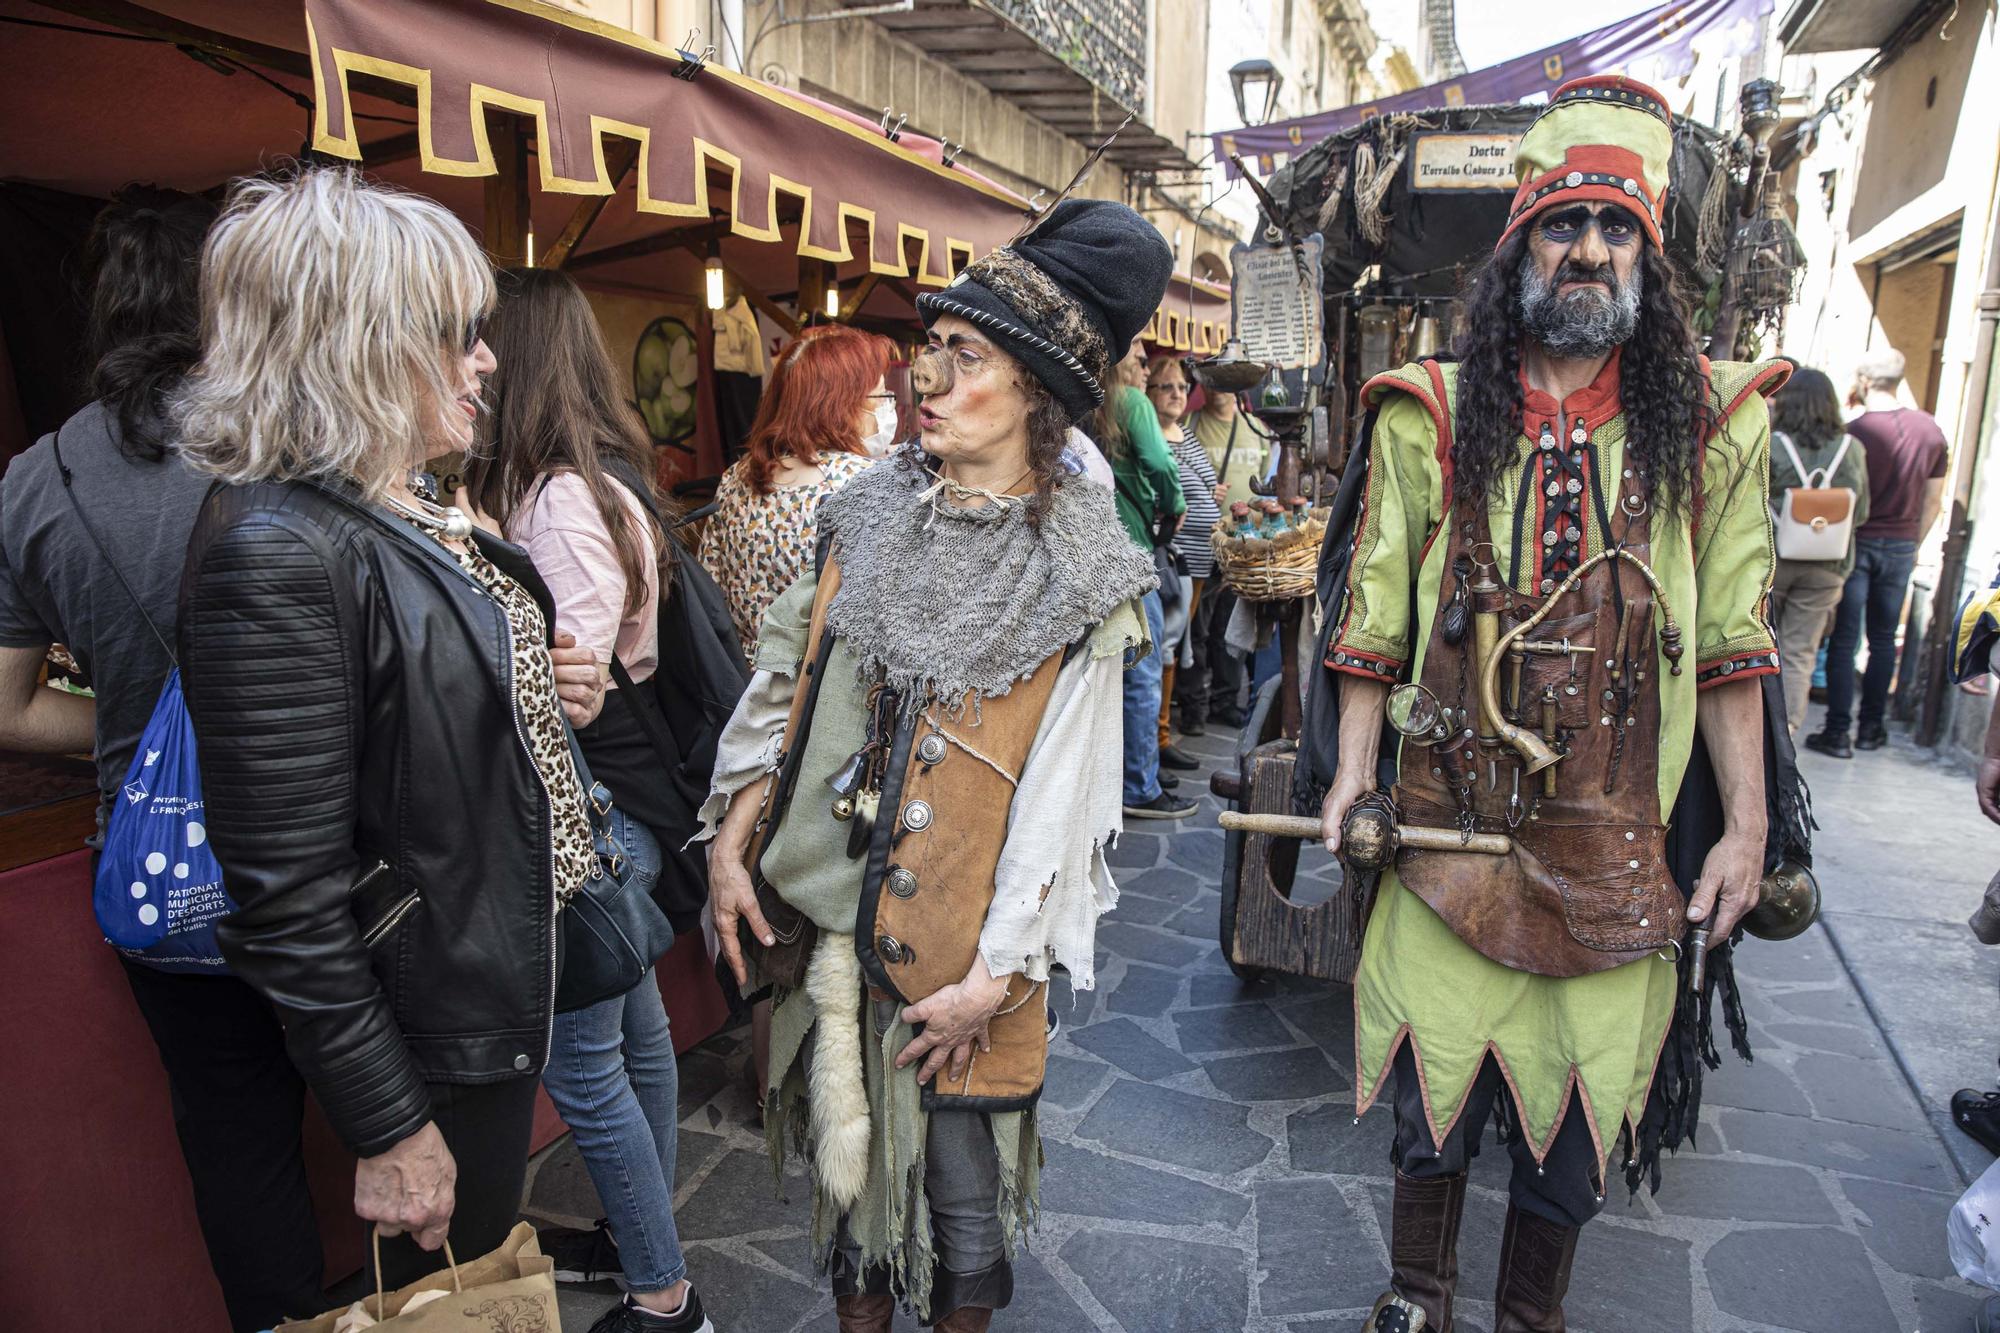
column 410, row 700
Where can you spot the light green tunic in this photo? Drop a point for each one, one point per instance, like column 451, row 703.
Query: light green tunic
column 1600, row 1034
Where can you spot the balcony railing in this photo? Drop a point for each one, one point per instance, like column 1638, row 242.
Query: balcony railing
column 1103, row 40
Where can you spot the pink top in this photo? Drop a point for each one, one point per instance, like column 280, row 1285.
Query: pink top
column 573, row 551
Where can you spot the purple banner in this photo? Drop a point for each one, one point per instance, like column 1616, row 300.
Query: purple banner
column 1654, row 47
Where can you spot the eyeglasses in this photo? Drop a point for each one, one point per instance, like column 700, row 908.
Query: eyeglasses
column 474, row 327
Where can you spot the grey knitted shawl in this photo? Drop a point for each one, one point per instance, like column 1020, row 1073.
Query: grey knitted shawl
column 944, row 602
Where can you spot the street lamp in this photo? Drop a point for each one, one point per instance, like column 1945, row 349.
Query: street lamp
column 1249, row 78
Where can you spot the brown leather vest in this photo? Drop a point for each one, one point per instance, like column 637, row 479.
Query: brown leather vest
column 1586, row 886
column 940, row 826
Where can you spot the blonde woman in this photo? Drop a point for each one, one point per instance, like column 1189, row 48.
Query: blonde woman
column 388, row 781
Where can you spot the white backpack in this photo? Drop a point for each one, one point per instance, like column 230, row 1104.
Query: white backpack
column 1815, row 521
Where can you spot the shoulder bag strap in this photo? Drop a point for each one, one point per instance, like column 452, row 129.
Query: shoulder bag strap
column 1798, row 464
column 69, row 489
column 1833, row 469
column 647, row 712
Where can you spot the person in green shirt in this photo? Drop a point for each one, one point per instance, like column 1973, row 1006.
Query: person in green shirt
column 1807, row 433
column 1150, row 505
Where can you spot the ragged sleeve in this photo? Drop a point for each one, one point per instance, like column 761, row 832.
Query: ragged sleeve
column 1052, row 881
column 1734, row 554
column 754, row 739
column 1374, row 638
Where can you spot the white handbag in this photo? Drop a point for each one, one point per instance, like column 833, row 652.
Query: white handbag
column 1814, row 521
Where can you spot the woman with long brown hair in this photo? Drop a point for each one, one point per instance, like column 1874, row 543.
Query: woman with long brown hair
column 827, row 415
column 567, row 471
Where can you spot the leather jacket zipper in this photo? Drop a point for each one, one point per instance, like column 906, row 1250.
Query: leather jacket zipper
column 388, row 923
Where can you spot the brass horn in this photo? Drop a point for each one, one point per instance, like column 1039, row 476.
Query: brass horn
column 1487, row 645
column 1536, row 753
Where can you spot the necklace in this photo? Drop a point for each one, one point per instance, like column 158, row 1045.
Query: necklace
column 962, row 495
column 450, row 520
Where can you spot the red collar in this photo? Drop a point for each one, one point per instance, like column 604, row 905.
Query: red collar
column 1596, row 402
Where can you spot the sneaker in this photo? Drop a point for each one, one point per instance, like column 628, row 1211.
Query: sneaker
column 1164, row 806
column 1173, row 757
column 1833, row 743
column 1978, row 1114
column 1871, row 738
column 626, row 1317
column 1229, row 715
column 583, row 1256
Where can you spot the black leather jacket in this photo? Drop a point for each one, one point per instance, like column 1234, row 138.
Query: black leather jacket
column 371, row 798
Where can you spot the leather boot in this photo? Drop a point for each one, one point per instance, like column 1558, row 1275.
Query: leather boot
column 1535, row 1258
column 864, row 1312
column 965, row 1319
column 1423, row 1256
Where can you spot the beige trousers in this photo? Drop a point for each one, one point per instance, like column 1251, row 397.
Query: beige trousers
column 1804, row 594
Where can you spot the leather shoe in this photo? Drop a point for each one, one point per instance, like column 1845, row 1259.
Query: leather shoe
column 1871, row 738
column 1174, row 757
column 1229, row 716
column 1193, row 726
column 1168, row 782
column 1831, row 743
column 1978, row 1114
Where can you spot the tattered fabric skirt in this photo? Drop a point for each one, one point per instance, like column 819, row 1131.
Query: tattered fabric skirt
column 1598, row 1036
column 928, row 1205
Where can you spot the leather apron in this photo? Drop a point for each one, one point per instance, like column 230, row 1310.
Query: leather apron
column 1586, row 886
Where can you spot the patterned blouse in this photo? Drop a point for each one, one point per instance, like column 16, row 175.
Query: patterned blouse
column 574, row 849
column 757, row 546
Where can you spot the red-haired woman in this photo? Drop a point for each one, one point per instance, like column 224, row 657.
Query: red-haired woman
column 827, row 415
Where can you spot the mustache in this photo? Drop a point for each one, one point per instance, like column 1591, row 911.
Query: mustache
column 1574, row 272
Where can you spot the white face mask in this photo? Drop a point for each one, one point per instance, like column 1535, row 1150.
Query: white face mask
column 882, row 438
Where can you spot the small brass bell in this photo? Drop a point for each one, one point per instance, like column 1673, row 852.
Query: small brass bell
column 1787, row 903
column 843, row 808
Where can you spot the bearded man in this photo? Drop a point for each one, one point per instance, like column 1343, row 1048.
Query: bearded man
column 1575, row 506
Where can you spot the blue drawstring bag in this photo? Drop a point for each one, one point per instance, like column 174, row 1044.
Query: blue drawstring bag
column 159, row 887
column 158, row 892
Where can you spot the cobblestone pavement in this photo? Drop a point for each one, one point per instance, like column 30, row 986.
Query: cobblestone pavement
column 1204, row 1173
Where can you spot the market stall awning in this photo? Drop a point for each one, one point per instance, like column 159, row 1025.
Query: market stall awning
column 858, row 195
column 1193, row 318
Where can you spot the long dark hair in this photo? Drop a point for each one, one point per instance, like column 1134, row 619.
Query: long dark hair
column 144, row 261
column 555, row 405
column 1668, row 418
column 1808, row 408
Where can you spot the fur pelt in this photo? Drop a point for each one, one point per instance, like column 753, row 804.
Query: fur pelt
column 835, row 1092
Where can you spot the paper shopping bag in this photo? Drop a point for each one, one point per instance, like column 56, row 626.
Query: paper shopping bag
column 511, row 1290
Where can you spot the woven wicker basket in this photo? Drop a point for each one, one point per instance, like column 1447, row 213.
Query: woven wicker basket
column 1270, row 571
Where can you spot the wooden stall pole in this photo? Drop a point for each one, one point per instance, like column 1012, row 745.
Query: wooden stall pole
column 507, row 215
column 812, row 288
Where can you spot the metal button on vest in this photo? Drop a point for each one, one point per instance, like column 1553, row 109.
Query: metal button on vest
column 890, row 948
column 917, row 816
column 522, row 1062
column 902, row 883
column 931, row 749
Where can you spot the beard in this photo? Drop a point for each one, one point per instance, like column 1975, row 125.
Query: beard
column 1581, row 324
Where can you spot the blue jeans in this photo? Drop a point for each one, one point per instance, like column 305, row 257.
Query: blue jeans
column 1142, row 712
column 1874, row 597
column 612, row 1075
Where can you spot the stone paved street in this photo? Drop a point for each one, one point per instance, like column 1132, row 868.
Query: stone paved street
column 1204, row 1173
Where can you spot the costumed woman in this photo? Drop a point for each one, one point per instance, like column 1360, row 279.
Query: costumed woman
column 1565, row 540
column 925, row 776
